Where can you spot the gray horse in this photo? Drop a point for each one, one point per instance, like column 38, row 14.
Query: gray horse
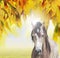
column 43, row 46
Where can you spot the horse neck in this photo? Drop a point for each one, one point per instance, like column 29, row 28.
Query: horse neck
column 45, row 52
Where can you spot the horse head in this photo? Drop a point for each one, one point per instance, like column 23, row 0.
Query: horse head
column 39, row 37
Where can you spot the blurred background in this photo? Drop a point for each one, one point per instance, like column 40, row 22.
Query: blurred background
column 16, row 19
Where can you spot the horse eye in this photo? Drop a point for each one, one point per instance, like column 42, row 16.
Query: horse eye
column 33, row 38
column 42, row 35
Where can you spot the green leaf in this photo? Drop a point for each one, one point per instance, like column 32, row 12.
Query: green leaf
column 0, row 1
column 56, row 28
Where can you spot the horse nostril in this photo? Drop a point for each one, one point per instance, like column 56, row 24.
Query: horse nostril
column 40, row 51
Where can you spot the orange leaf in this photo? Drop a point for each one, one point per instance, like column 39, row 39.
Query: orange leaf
column 22, row 3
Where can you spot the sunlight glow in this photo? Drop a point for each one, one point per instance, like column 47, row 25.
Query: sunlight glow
column 50, row 30
column 22, row 37
column 34, row 17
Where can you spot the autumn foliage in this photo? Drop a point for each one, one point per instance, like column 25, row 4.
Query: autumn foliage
column 11, row 11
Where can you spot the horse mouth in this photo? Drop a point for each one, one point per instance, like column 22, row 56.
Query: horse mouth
column 39, row 53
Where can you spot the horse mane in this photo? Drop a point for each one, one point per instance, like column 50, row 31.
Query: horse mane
column 48, row 48
column 48, row 45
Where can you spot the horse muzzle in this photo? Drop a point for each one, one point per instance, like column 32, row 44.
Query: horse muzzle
column 39, row 51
